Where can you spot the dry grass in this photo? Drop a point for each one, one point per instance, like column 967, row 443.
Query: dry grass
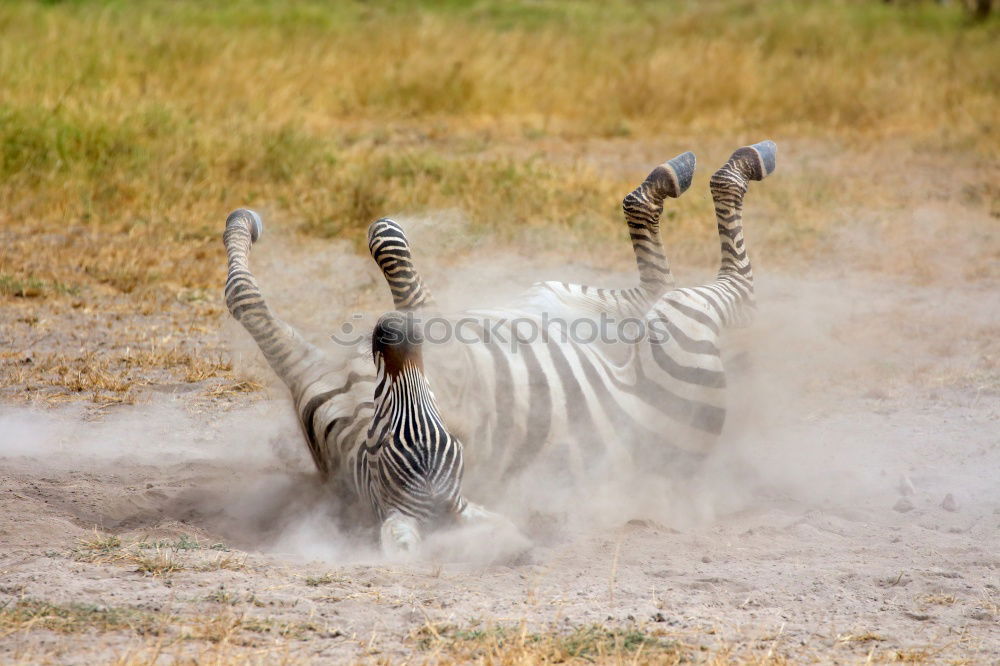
column 324, row 579
column 905, row 657
column 216, row 654
column 159, row 558
column 863, row 637
column 500, row 646
column 241, row 636
column 110, row 551
column 939, row 599
column 231, row 562
column 156, row 651
column 32, row 615
column 225, row 638
column 129, row 130
column 96, row 376
column 109, row 354
column 234, row 388
column 101, row 543
column 109, row 377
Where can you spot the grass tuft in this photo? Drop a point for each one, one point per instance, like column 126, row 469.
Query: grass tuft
column 32, row 287
column 160, row 558
column 504, row 645
column 101, row 544
column 316, row 581
column 77, row 618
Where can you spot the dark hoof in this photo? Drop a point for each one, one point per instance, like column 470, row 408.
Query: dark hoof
column 673, row 177
column 760, row 158
column 251, row 219
column 683, row 168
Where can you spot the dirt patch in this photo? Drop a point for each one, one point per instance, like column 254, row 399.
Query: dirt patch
column 850, row 511
column 790, row 540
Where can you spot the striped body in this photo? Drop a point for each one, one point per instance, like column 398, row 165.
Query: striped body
column 552, row 398
column 556, row 399
column 508, row 398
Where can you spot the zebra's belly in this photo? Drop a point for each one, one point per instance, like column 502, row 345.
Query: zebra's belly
column 585, row 414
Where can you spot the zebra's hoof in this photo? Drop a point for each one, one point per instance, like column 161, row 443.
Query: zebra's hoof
column 760, row 158
column 251, row 219
column 673, row 177
column 682, row 167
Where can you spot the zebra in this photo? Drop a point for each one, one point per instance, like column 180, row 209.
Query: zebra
column 642, row 208
column 322, row 388
column 384, row 435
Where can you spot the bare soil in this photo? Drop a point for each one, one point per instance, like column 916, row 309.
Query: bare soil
column 850, row 512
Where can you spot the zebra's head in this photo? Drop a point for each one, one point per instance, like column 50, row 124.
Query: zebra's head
column 414, row 465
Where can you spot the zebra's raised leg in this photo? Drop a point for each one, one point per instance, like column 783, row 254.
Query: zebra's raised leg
column 643, row 207
column 391, row 251
column 282, row 346
column 300, row 365
column 731, row 295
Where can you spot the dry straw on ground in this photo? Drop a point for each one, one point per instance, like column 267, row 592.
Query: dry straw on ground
column 129, row 130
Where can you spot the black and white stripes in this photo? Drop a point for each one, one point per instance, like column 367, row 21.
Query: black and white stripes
column 642, row 208
column 506, row 400
column 410, row 463
column 390, row 250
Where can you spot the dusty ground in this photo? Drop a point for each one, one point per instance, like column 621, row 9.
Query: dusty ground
column 851, row 511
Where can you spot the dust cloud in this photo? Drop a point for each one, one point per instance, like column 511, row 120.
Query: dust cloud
column 838, row 393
